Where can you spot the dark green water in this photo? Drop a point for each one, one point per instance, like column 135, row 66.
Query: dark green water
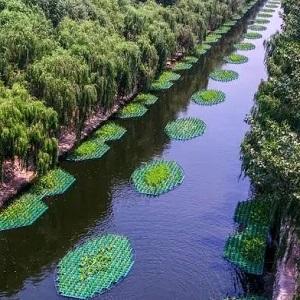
column 179, row 237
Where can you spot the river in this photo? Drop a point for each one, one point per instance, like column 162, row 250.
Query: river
column 178, row 237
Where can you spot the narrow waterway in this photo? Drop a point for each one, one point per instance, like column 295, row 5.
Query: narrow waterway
column 178, row 237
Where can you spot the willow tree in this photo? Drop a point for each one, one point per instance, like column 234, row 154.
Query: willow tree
column 28, row 130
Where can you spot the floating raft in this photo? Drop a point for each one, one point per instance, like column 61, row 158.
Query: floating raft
column 132, row 110
column 212, row 38
column 257, row 27
column 244, row 46
column 185, row 129
column 262, row 21
column 236, row 59
column 110, row 132
column 92, row 149
column 55, row 182
column 157, row 177
column 190, row 59
column 181, row 66
column 94, row 267
column 22, row 212
column 201, row 49
column 224, row 75
column 165, row 81
column 145, row 99
column 252, row 35
column 247, row 250
column 208, row 97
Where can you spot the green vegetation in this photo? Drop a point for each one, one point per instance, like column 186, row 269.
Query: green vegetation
column 185, row 129
column 165, row 81
column 63, row 60
column 23, row 212
column 91, row 149
column 94, row 267
column 244, row 46
column 224, row 75
column 267, row 10
column 145, row 99
column 132, row 110
column 252, row 35
column 257, row 27
column 264, row 15
column 55, row 182
column 157, row 177
column 110, row 132
column 213, row 38
column 190, row 59
column 222, row 30
column 235, row 58
column 262, row 21
column 180, row 66
column 208, row 97
column 202, row 49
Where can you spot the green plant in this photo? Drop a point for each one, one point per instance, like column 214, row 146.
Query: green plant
column 208, row 97
column 262, row 21
column 157, row 177
column 252, row 35
column 244, row 46
column 190, row 59
column 165, row 81
column 110, row 132
column 185, row 129
column 224, row 75
column 132, row 110
column 264, row 15
column 202, row 49
column 182, row 66
column 212, row 38
column 236, row 59
column 257, row 27
column 145, row 99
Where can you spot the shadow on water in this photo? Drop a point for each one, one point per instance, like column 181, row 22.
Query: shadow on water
column 178, row 244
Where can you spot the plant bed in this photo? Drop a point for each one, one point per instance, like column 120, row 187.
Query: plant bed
column 181, row 66
column 257, row 27
column 157, row 177
column 145, row 99
column 224, row 75
column 236, row 59
column 236, row 17
column 132, row 110
column 254, row 212
column 264, row 15
column 190, row 59
column 185, row 129
column 268, row 10
column 22, row 212
column 252, row 35
column 202, row 49
column 247, row 251
column 165, row 81
column 94, row 267
column 110, row 132
column 244, row 46
column 92, row 149
column 262, row 21
column 208, row 97
column 222, row 30
column 212, row 38
column 230, row 23
column 55, row 182
column 271, row 6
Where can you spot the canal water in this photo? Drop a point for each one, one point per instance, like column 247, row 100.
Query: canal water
column 178, row 237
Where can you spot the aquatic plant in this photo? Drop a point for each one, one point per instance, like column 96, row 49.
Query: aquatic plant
column 94, row 267
column 257, row 27
column 185, row 128
column 236, row 17
column 190, row 59
column 132, row 110
column 244, row 46
column 247, row 251
column 235, row 58
column 252, row 35
column 157, row 177
column 271, row 5
column 165, row 80
column 212, row 38
column 255, row 212
column 208, row 97
column 262, row 21
column 222, row 30
column 110, row 132
column 268, row 10
column 24, row 211
column 264, row 15
column 230, row 23
column 55, row 182
column 91, row 149
column 202, row 49
column 145, row 99
column 224, row 75
column 180, row 66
